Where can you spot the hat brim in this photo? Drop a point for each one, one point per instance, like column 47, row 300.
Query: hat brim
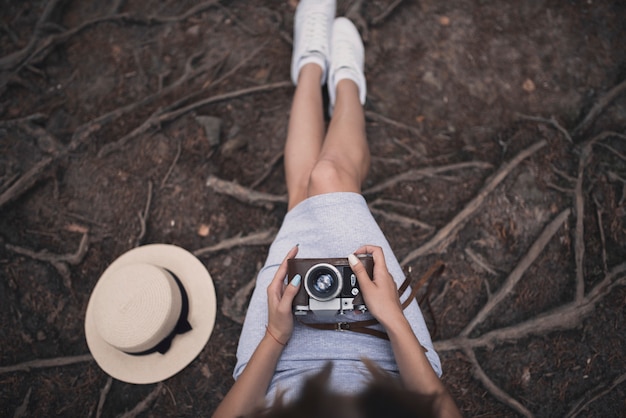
column 155, row 367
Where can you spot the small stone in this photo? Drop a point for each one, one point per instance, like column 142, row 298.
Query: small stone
column 444, row 21
column 193, row 30
column 212, row 128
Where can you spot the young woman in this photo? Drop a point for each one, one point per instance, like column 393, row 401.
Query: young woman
column 328, row 217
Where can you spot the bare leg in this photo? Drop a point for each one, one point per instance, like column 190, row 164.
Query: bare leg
column 345, row 158
column 305, row 133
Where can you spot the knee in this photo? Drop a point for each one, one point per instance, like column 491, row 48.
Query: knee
column 328, row 176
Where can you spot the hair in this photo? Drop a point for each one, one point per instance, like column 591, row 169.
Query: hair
column 384, row 396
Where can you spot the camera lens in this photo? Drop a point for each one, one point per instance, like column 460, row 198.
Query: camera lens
column 323, row 282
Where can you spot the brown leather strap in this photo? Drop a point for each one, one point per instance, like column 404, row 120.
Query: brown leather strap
column 362, row 326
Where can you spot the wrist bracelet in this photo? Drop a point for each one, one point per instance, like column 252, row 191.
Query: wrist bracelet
column 272, row 335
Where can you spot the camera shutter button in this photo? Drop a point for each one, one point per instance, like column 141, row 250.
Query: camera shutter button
column 355, row 291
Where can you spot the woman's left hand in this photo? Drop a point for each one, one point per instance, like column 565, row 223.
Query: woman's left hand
column 279, row 301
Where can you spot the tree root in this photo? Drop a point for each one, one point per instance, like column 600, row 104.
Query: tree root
column 595, row 394
column 595, row 111
column 60, row 262
column 564, row 317
column 85, row 131
column 420, row 173
column 377, row 20
column 143, row 216
column 511, row 281
column 496, row 391
column 265, row 237
column 552, row 122
column 45, row 363
column 38, row 48
column 103, row 396
column 244, row 194
column 162, row 116
column 446, row 233
column 145, row 403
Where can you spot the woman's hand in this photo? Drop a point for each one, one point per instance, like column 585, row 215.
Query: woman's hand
column 279, row 300
column 380, row 293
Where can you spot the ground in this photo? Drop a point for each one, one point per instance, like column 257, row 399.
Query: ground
column 497, row 131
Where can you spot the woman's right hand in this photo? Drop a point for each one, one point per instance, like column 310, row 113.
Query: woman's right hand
column 380, row 292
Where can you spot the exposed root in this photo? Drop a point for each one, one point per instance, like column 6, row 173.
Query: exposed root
column 402, row 220
column 45, row 363
column 59, row 261
column 258, row 238
column 143, row 216
column 420, row 173
column 38, row 48
column 161, row 116
column 103, row 396
column 446, row 233
column 244, row 194
column 176, row 157
column 552, row 122
column 377, row 20
column 481, row 262
column 22, row 410
column 235, row 307
column 535, row 250
column 494, row 389
column 376, row 117
column 595, row 111
column 145, row 403
column 278, row 158
column 594, row 394
column 564, row 317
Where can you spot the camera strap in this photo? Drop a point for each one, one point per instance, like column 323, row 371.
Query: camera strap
column 363, row 326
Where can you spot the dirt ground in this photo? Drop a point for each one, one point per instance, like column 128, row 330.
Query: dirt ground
column 497, row 132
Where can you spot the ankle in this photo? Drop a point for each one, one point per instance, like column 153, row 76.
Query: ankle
column 311, row 71
column 347, row 87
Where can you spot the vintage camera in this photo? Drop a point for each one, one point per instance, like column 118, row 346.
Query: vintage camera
column 329, row 286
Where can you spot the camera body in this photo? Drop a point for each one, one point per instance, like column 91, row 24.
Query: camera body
column 329, row 286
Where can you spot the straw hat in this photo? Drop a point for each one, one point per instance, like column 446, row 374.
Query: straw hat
column 150, row 314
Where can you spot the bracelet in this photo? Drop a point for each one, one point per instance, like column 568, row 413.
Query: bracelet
column 272, row 335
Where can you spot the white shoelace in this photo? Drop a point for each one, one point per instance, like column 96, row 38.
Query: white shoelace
column 315, row 31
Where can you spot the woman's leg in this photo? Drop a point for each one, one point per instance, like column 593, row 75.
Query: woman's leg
column 305, row 133
column 344, row 159
column 313, row 24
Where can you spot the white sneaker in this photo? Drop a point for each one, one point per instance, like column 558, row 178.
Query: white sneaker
column 346, row 59
column 311, row 35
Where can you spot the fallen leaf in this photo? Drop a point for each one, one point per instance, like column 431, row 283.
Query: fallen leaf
column 204, row 230
column 529, row 85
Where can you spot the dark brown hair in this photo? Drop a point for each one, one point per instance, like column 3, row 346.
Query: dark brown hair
column 384, row 396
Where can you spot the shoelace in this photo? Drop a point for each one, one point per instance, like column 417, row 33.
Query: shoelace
column 315, row 30
column 344, row 55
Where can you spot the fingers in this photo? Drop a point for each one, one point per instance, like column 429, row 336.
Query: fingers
column 375, row 251
column 365, row 281
column 290, row 292
column 276, row 286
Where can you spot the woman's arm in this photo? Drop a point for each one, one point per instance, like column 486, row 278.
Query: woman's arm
column 381, row 298
column 249, row 390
